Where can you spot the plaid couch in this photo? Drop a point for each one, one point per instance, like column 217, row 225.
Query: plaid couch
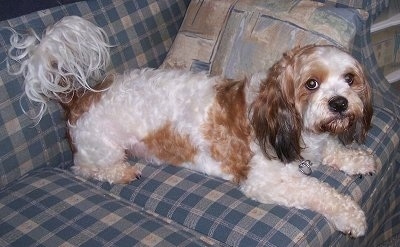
column 43, row 204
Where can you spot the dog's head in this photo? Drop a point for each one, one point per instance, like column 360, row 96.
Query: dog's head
column 316, row 88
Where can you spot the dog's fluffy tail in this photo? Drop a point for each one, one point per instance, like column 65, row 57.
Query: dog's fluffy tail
column 68, row 56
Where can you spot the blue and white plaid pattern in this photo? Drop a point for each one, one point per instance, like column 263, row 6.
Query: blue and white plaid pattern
column 52, row 208
column 43, row 204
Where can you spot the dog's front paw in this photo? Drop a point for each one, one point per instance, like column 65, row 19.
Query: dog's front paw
column 350, row 220
column 362, row 163
column 353, row 162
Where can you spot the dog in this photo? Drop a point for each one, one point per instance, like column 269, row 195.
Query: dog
column 254, row 132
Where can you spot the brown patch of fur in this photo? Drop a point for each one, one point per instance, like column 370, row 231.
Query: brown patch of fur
column 169, row 146
column 79, row 102
column 228, row 129
column 82, row 100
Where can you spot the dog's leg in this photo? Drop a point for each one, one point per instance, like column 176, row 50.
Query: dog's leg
column 351, row 161
column 104, row 161
column 270, row 181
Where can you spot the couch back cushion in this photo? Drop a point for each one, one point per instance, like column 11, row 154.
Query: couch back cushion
column 142, row 32
column 249, row 36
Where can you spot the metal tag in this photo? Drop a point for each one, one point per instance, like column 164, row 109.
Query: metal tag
column 305, row 167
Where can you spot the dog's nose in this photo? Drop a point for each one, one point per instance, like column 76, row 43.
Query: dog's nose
column 338, row 104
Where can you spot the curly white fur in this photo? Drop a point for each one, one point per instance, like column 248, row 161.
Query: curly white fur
column 45, row 61
column 201, row 122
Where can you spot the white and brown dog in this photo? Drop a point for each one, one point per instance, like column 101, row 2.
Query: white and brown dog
column 254, row 132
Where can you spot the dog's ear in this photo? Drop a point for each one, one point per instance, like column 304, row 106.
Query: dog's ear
column 360, row 128
column 276, row 123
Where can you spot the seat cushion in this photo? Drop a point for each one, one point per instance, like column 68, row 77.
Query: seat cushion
column 172, row 203
column 51, row 207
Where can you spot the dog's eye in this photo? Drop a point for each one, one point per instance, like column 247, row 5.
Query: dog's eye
column 312, row 84
column 349, row 78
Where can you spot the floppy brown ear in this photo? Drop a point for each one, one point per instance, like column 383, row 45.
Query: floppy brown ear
column 359, row 130
column 276, row 123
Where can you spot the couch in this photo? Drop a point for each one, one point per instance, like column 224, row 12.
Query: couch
column 42, row 203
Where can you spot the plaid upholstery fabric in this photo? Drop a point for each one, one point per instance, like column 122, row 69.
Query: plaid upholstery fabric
column 170, row 204
column 207, row 210
column 142, row 31
column 374, row 7
column 218, row 209
column 52, row 208
column 387, row 204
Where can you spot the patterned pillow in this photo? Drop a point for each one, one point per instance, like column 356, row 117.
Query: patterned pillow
column 227, row 37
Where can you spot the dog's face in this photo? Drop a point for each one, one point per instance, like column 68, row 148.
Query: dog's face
column 314, row 88
column 330, row 90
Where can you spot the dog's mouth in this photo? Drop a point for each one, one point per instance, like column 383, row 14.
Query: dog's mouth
column 337, row 123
